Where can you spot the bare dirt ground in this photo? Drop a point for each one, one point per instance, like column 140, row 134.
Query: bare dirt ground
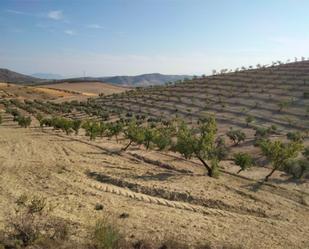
column 30, row 92
column 88, row 88
column 164, row 195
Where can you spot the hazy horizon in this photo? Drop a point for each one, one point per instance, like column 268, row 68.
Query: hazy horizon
column 106, row 38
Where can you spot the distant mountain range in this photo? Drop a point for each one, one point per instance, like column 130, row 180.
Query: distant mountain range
column 48, row 76
column 43, row 78
column 138, row 80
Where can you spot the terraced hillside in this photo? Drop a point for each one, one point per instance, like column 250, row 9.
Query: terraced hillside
column 276, row 95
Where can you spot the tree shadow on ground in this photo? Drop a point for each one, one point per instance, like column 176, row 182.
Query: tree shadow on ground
column 157, row 177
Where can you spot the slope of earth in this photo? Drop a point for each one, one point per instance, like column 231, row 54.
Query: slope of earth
column 74, row 174
column 9, row 91
column 9, row 76
column 277, row 95
column 87, row 88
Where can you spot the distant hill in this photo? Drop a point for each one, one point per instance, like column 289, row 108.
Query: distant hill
column 9, row 76
column 145, row 79
column 138, row 80
column 48, row 76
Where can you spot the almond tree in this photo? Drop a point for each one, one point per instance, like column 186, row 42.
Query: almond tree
column 278, row 153
column 199, row 143
column 243, row 160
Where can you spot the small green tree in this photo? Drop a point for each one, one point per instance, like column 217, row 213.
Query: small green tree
column 92, row 129
column 243, row 160
column 134, row 134
column 149, row 135
column 76, row 125
column 249, row 120
column 278, row 153
column 295, row 136
column 237, row 136
column 163, row 138
column 24, row 121
column 114, row 129
column 199, row 143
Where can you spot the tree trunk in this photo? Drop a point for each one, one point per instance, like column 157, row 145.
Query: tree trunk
column 209, row 169
column 270, row 174
column 125, row 148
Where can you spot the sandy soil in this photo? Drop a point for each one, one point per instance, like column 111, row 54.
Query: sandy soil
column 179, row 201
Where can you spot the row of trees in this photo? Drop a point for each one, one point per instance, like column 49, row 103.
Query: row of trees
column 22, row 120
column 199, row 142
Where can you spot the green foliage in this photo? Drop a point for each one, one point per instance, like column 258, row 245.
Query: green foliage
column 249, row 119
column 76, row 124
column 163, row 138
column 295, row 136
column 306, row 152
column 134, row 133
column 237, row 136
column 278, row 153
column 243, row 160
column 199, row 143
column 114, row 129
column 24, row 121
column 298, row 168
column 149, row 135
column 106, row 235
column 283, row 104
column 92, row 128
column 63, row 124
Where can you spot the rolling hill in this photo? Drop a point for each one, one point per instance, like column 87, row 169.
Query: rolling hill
column 276, row 95
column 138, row 80
column 9, row 76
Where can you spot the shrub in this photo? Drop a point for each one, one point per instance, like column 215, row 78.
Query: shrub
column 24, row 121
column 30, row 226
column 295, row 136
column 243, row 160
column 298, row 168
column 0, row 119
column 106, row 235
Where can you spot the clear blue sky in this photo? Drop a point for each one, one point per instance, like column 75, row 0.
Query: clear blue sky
column 110, row 37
